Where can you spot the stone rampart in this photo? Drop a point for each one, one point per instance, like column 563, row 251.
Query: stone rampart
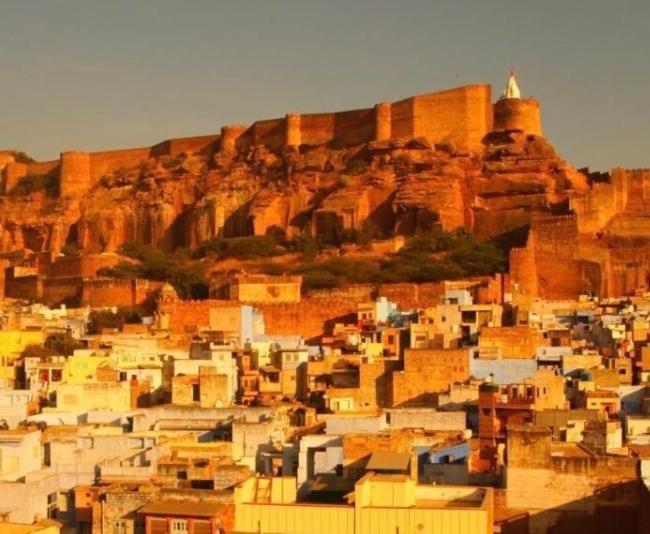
column 461, row 116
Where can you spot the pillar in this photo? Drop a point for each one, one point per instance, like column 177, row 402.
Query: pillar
column 229, row 136
column 74, row 176
column 382, row 121
column 293, row 138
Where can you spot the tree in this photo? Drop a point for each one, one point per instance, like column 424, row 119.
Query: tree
column 62, row 343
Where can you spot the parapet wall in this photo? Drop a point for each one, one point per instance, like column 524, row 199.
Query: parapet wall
column 461, row 116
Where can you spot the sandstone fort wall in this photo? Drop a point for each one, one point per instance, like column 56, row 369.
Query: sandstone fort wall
column 63, row 290
column 461, row 116
column 108, row 292
column 84, row 266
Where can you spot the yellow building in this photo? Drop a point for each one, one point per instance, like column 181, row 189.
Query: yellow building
column 381, row 504
column 47, row 526
column 81, row 368
column 12, row 344
column 20, row 453
column 114, row 396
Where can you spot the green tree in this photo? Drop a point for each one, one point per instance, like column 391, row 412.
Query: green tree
column 62, row 343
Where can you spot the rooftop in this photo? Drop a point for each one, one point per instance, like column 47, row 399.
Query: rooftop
column 181, row 508
column 388, row 461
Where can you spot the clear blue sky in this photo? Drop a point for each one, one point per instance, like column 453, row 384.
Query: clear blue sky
column 97, row 74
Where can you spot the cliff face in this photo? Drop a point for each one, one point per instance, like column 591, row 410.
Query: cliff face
column 399, row 185
column 515, row 188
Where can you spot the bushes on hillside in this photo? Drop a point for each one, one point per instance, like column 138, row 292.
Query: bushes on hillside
column 62, row 343
column 155, row 264
column 21, row 157
column 430, row 257
column 32, row 182
column 99, row 320
column 242, row 248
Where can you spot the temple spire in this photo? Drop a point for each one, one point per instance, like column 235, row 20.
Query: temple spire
column 512, row 89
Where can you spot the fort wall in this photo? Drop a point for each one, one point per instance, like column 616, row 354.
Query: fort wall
column 26, row 287
column 14, row 171
column 84, row 266
column 62, row 290
column 104, row 292
column 229, row 138
column 271, row 133
column 461, row 116
column 316, row 314
column 206, row 144
column 317, row 128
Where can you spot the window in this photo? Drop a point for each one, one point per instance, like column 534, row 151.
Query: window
column 135, row 443
column 52, row 505
column 179, row 526
column 57, row 375
column 390, row 340
column 119, row 526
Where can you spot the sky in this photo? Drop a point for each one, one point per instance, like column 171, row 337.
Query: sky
column 98, row 75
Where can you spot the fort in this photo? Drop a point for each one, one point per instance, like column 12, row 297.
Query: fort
column 450, row 159
column 461, row 116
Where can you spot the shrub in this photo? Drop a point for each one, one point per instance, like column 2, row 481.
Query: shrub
column 169, row 162
column 32, row 182
column 101, row 319
column 336, row 272
column 240, row 247
column 70, row 248
column 307, row 245
column 21, row 157
column 155, row 264
column 62, row 343
column 37, row 351
column 356, row 166
column 343, row 181
column 363, row 236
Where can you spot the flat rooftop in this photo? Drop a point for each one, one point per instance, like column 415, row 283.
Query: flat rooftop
column 569, row 450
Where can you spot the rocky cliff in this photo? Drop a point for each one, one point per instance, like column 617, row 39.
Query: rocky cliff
column 401, row 185
column 513, row 187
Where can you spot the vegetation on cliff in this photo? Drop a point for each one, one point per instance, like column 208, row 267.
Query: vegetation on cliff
column 177, row 268
column 99, row 320
column 32, row 183
column 427, row 257
column 56, row 344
